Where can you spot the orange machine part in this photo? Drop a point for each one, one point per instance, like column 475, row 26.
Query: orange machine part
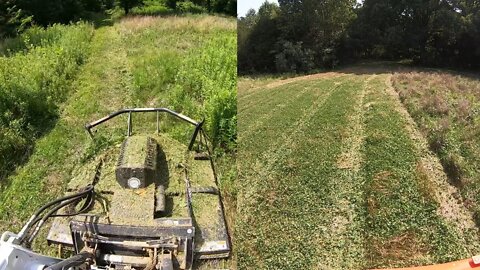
column 457, row 265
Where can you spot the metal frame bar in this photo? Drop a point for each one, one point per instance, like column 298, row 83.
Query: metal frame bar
column 198, row 125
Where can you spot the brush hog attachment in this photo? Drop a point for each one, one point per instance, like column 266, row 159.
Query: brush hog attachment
column 150, row 202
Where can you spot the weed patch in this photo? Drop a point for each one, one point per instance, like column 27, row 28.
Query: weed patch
column 450, row 135
column 35, row 78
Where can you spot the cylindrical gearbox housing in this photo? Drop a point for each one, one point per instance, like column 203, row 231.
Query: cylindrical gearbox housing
column 137, row 162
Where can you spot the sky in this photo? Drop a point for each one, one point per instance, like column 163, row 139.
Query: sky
column 244, row 5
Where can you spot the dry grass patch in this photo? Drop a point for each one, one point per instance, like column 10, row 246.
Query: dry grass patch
column 425, row 185
column 402, row 248
column 136, row 23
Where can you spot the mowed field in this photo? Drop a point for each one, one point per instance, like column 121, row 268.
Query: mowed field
column 335, row 173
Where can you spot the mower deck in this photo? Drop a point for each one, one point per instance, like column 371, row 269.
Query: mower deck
column 116, row 209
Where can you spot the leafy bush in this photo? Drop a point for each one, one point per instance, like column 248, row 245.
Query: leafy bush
column 189, row 7
column 34, row 81
column 153, row 9
column 294, row 58
column 206, row 86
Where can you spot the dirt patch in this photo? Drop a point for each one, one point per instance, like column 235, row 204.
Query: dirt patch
column 451, row 207
column 54, row 182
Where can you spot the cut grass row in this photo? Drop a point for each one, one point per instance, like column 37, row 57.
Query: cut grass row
column 299, row 208
column 99, row 86
column 402, row 226
column 289, row 207
column 279, row 103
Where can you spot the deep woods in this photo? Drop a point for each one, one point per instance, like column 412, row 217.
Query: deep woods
column 300, row 35
column 17, row 15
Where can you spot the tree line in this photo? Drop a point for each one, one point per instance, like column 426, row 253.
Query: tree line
column 300, row 35
column 17, row 15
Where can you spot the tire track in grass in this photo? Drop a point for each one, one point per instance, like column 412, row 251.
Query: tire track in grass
column 265, row 98
column 261, row 96
column 347, row 194
column 290, row 197
column 451, row 205
column 402, row 226
column 266, row 151
column 281, row 125
column 267, row 101
column 274, row 87
column 267, row 111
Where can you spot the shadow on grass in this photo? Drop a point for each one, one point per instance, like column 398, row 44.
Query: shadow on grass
column 18, row 159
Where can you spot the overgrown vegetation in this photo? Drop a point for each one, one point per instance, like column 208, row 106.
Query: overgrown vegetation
column 446, row 107
column 145, row 66
column 326, row 33
column 35, row 77
column 18, row 15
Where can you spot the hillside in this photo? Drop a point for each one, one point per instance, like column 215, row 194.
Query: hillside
column 335, row 173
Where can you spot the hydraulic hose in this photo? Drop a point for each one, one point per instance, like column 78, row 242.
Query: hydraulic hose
column 82, row 258
column 35, row 217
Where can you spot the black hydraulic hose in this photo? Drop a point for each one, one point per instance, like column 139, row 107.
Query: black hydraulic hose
column 82, row 258
column 88, row 189
column 35, row 218
column 51, row 212
column 86, row 205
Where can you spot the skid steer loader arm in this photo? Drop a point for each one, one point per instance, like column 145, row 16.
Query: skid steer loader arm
column 466, row 264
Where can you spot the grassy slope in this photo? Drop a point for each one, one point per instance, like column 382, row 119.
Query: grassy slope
column 329, row 179
column 127, row 59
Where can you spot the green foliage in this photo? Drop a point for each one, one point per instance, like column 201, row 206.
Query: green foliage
column 189, row 7
column 293, row 58
column 436, row 33
column 12, row 19
column 309, row 29
column 127, row 5
column 34, row 81
column 152, row 8
column 206, row 86
column 257, row 39
column 171, row 4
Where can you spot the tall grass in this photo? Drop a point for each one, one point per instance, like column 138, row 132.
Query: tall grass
column 206, row 85
column 447, row 109
column 189, row 64
column 34, row 79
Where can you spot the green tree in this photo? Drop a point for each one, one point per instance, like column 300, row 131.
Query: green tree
column 172, row 4
column 127, row 5
column 258, row 35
